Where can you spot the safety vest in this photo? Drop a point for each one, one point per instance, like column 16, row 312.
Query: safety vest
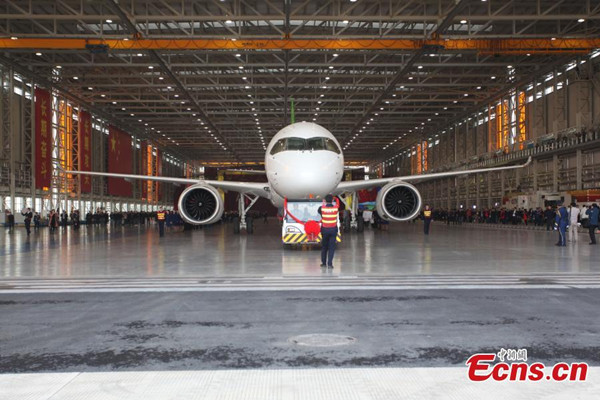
column 160, row 215
column 329, row 216
column 427, row 213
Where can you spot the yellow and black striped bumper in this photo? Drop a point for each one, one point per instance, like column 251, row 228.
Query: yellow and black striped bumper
column 298, row 238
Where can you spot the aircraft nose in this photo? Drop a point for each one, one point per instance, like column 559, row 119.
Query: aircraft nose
column 298, row 175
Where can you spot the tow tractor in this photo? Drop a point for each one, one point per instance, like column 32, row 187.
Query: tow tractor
column 301, row 224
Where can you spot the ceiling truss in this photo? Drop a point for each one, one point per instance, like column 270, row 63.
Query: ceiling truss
column 213, row 80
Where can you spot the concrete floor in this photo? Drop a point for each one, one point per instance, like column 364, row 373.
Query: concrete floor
column 248, row 330
column 216, row 252
column 232, row 335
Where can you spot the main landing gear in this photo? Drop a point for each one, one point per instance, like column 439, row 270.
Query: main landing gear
column 354, row 222
column 244, row 222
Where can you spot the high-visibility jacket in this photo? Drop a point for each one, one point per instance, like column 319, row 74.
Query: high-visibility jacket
column 329, row 216
column 427, row 213
column 161, row 215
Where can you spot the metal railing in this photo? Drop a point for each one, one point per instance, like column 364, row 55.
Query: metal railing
column 561, row 140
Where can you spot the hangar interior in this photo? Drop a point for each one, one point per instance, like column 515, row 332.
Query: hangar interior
column 197, row 89
column 497, row 82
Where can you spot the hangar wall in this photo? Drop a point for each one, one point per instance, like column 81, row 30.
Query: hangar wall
column 555, row 119
column 17, row 150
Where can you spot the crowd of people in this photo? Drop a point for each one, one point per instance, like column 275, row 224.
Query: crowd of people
column 55, row 219
column 172, row 221
column 548, row 218
column 537, row 217
column 556, row 217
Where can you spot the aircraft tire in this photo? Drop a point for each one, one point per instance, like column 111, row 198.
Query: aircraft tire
column 347, row 224
column 249, row 225
column 360, row 224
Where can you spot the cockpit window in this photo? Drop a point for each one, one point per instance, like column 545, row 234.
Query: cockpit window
column 315, row 143
column 299, row 144
column 279, row 146
column 331, row 146
column 294, row 143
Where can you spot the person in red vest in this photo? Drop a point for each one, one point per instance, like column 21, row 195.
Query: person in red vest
column 329, row 229
column 161, row 216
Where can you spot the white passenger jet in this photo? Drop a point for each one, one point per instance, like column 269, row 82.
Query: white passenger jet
column 303, row 161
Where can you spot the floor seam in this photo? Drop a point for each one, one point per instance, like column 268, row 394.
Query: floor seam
column 63, row 386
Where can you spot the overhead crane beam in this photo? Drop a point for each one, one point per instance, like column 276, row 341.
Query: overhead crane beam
column 484, row 46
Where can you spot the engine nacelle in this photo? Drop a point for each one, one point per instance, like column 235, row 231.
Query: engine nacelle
column 398, row 201
column 200, row 205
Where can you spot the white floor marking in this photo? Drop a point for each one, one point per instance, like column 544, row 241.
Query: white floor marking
column 313, row 384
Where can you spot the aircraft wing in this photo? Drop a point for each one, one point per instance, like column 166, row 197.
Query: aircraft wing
column 257, row 188
column 247, row 171
column 351, row 186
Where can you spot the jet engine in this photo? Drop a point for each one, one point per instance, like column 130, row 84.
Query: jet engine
column 200, row 205
column 398, row 201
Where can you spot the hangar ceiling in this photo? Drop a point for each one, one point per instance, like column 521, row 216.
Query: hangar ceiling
column 218, row 85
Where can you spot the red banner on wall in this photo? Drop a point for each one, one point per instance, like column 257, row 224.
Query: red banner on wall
column 367, row 195
column 158, row 173
column 119, row 161
column 85, row 150
column 144, row 167
column 43, row 139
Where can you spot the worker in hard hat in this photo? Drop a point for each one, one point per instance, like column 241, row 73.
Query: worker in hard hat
column 329, row 229
column 427, row 217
